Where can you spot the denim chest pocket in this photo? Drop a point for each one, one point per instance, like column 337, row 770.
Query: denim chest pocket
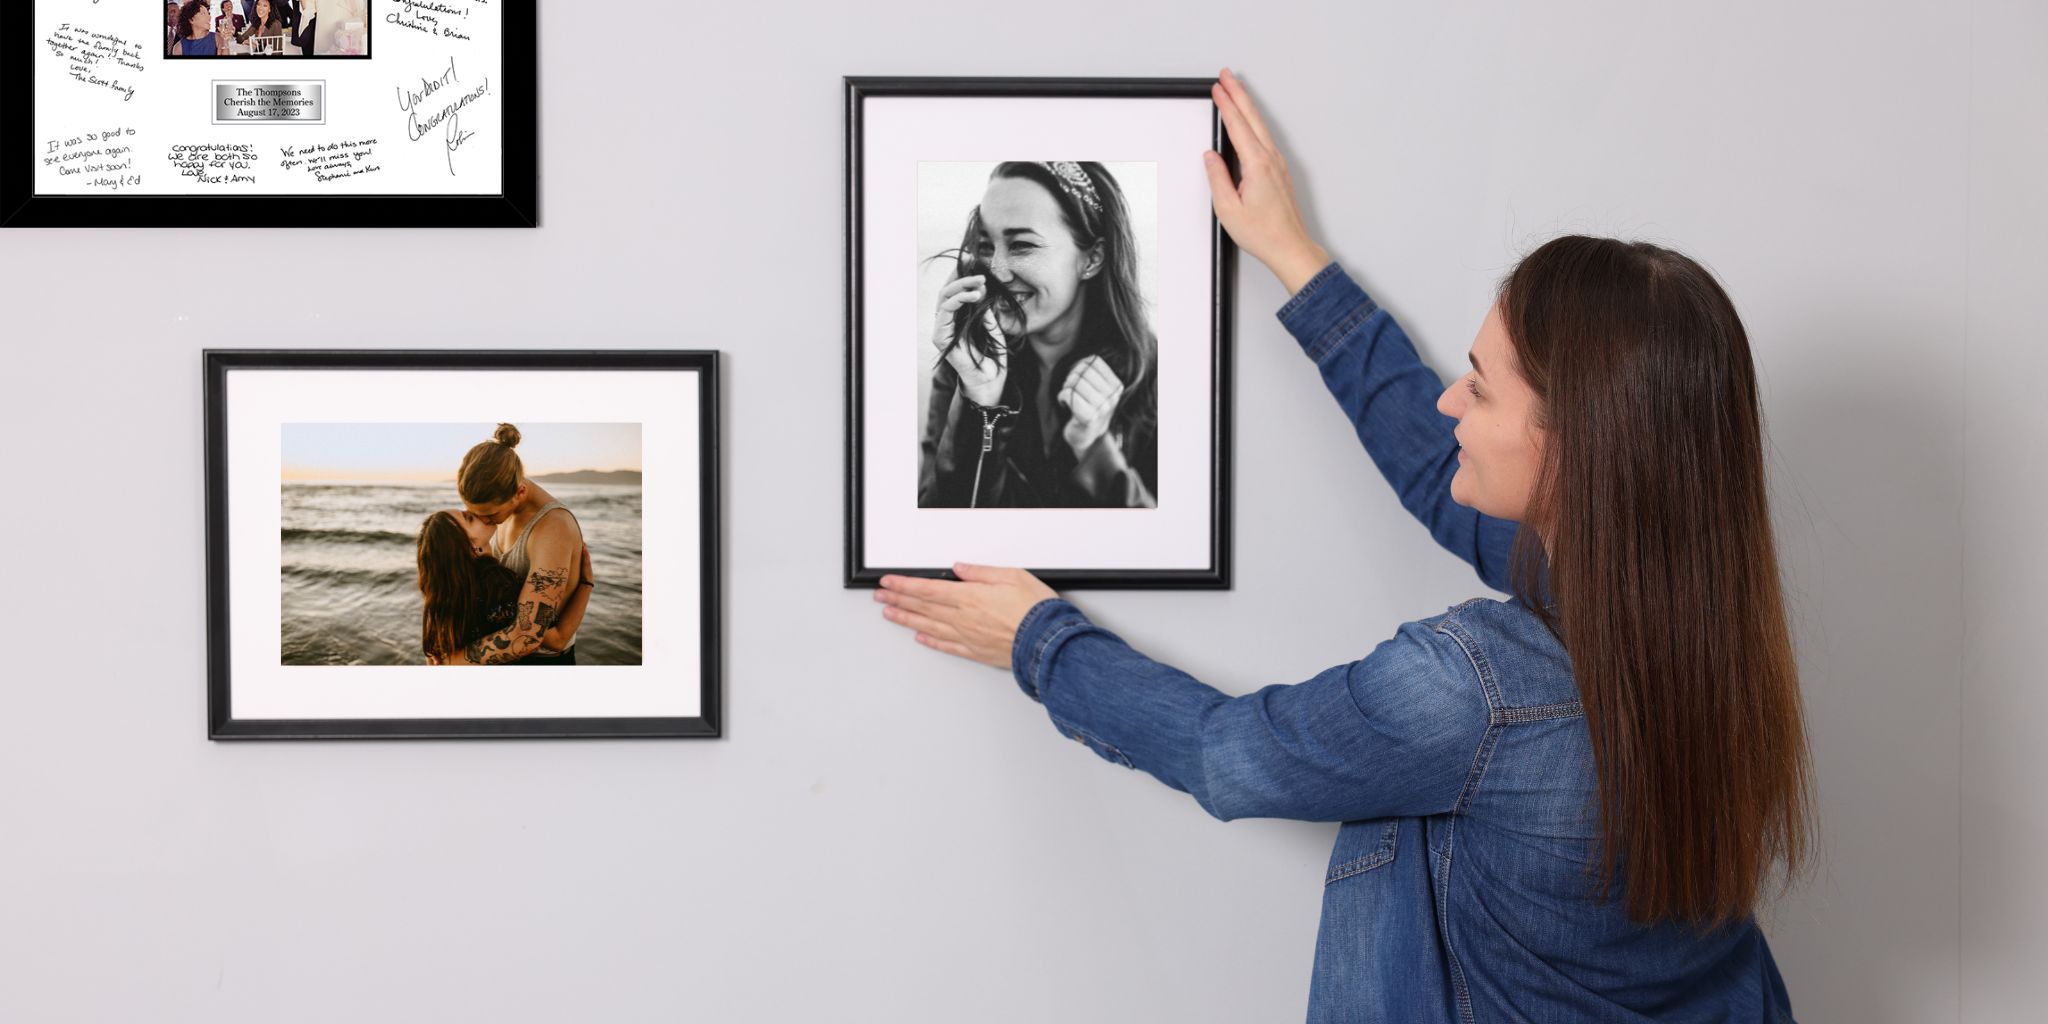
column 1107, row 752
column 1361, row 847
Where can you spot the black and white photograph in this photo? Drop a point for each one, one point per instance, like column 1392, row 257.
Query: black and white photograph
column 1037, row 294
column 383, row 524
column 1043, row 382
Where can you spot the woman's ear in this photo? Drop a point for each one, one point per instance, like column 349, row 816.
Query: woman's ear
column 1092, row 265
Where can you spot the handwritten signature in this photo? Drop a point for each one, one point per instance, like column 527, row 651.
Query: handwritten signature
column 456, row 137
column 409, row 99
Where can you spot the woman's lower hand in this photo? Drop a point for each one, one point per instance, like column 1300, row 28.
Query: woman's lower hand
column 975, row 617
column 1091, row 393
column 1259, row 209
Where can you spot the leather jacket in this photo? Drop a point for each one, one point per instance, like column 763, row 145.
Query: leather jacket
column 1003, row 456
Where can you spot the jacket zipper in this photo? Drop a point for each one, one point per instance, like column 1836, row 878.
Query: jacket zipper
column 989, row 415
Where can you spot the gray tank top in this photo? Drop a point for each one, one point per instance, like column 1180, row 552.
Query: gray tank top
column 515, row 558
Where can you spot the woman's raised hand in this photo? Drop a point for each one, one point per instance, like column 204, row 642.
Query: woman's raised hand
column 1259, row 209
column 981, row 377
column 1091, row 394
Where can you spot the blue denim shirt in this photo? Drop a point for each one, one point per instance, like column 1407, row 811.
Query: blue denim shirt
column 1455, row 755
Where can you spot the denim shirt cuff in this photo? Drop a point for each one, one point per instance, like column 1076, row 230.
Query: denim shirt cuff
column 1326, row 309
column 1045, row 622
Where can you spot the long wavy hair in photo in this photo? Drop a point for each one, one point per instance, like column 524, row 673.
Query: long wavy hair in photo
column 1114, row 325
column 459, row 588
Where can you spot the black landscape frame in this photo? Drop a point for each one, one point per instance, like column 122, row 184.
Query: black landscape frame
column 516, row 205
column 221, row 725
column 1222, row 275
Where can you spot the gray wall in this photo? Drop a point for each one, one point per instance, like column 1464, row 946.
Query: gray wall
column 887, row 834
column 2005, row 816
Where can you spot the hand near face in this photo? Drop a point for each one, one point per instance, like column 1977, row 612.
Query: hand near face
column 974, row 618
column 981, row 377
column 1091, row 394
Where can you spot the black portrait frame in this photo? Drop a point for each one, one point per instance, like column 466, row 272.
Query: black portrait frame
column 1222, row 275
column 221, row 725
column 516, row 205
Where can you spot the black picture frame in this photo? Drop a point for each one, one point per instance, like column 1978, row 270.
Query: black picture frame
column 220, row 364
column 515, row 205
column 1222, row 275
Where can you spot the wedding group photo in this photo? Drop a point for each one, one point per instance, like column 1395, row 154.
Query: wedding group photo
column 266, row 28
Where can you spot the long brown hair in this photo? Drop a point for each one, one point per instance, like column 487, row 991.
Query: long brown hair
column 1663, row 579
column 458, row 587
column 491, row 471
column 1118, row 328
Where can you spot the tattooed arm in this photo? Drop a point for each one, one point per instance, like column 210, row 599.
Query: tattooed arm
column 550, row 584
column 563, row 632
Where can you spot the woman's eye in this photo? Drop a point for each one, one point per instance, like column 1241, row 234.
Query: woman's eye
column 1472, row 386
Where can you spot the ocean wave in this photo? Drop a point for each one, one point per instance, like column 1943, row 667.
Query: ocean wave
column 352, row 577
column 289, row 534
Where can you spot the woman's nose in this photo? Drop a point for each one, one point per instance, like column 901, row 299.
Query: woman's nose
column 999, row 265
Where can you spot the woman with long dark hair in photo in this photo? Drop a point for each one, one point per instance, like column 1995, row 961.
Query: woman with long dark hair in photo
column 1045, row 385
column 269, row 20
column 467, row 594
column 197, row 38
column 1566, row 806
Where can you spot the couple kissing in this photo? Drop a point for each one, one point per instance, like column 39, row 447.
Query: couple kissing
column 506, row 578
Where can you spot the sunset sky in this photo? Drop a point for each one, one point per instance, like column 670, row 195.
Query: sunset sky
column 431, row 452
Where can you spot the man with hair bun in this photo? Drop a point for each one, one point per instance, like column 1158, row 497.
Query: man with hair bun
column 541, row 548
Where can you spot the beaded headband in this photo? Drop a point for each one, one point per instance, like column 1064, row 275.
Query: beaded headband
column 1076, row 183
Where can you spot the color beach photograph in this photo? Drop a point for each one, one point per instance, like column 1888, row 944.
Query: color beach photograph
column 460, row 544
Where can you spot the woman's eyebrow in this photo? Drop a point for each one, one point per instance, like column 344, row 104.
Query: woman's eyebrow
column 1018, row 231
column 1474, row 358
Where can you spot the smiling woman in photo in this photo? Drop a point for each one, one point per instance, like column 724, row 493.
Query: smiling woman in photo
column 269, row 20
column 1044, row 387
column 197, row 39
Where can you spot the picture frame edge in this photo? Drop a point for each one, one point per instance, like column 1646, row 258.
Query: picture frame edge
column 217, row 365
column 1218, row 574
column 515, row 205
